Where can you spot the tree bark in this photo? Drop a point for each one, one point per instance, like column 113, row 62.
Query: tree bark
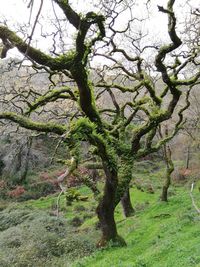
column 164, row 196
column 25, row 168
column 187, row 158
column 169, row 170
column 123, row 194
column 105, row 213
column 126, row 204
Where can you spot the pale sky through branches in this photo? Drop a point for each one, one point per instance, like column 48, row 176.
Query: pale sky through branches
column 17, row 13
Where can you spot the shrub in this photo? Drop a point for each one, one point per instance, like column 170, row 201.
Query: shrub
column 77, row 246
column 79, row 208
column 76, row 221
column 17, row 192
column 45, row 176
column 37, row 190
column 3, row 205
column 71, row 195
column 181, row 174
column 30, row 237
column 11, row 217
column 3, row 189
column 3, row 184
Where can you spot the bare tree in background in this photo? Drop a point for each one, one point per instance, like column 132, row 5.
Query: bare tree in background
column 167, row 155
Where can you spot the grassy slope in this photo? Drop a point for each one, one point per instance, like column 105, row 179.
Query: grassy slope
column 160, row 235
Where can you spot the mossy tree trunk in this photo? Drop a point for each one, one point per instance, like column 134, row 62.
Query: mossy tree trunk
column 125, row 176
column 27, row 159
column 169, row 170
column 105, row 212
column 126, row 204
column 164, row 195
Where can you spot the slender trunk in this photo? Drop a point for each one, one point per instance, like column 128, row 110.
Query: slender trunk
column 169, row 170
column 188, row 157
column 164, row 196
column 105, row 212
column 27, row 159
column 126, row 204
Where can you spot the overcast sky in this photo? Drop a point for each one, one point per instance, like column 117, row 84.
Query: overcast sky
column 17, row 12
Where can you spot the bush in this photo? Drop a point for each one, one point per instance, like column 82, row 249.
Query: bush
column 30, row 237
column 76, row 221
column 11, row 217
column 17, row 192
column 43, row 188
column 3, row 189
column 3, row 205
column 37, row 190
column 79, row 208
column 71, row 195
column 77, row 246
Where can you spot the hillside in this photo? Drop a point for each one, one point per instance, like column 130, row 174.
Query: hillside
column 159, row 234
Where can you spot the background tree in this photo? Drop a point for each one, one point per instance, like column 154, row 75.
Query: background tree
column 151, row 92
column 167, row 155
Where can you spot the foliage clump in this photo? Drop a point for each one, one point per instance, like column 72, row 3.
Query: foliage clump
column 72, row 194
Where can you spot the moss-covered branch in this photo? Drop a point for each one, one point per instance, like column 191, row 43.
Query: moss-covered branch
column 78, row 66
column 123, row 89
column 51, row 96
column 179, row 125
column 164, row 50
column 190, row 81
column 27, row 123
column 70, row 14
column 59, row 63
column 85, row 130
column 151, row 89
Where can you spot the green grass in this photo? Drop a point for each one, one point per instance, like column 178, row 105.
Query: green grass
column 159, row 235
column 81, row 209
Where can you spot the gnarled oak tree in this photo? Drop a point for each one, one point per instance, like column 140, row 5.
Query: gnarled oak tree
column 142, row 94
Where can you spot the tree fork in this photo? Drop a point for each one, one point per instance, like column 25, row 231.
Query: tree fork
column 169, row 170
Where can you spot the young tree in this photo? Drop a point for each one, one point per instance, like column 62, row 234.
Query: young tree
column 124, row 130
column 167, row 156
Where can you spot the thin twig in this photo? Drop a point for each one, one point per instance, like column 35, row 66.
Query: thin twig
column 60, row 180
column 33, row 29
column 58, row 203
column 56, row 149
